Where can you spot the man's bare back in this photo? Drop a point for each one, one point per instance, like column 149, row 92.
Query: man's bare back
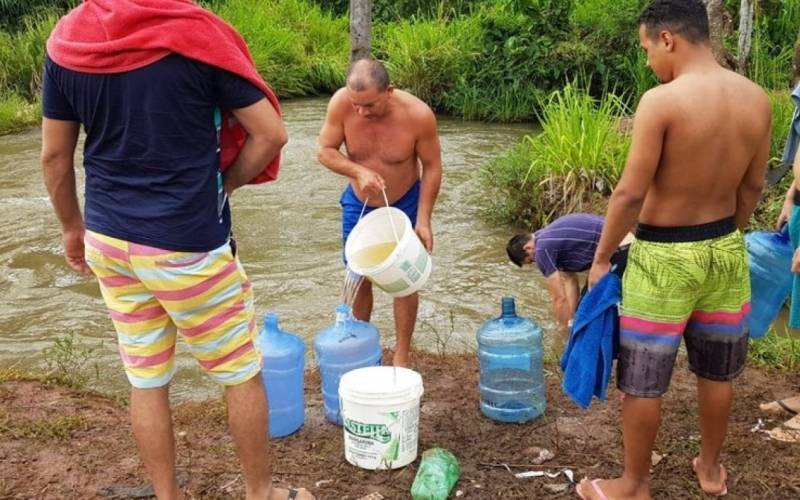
column 714, row 125
column 387, row 145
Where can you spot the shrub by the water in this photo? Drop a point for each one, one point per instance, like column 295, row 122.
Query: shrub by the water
column 572, row 165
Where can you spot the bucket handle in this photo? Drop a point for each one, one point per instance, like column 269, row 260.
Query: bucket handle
column 389, row 214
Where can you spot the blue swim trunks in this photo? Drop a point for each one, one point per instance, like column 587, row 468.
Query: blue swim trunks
column 352, row 206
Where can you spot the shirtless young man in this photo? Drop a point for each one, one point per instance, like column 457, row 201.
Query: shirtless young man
column 693, row 177
column 392, row 144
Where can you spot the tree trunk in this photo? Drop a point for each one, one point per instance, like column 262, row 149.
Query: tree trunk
column 716, row 22
column 360, row 29
column 747, row 13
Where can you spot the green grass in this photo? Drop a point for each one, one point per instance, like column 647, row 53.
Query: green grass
column 17, row 113
column 776, row 351
column 572, row 165
column 56, row 427
column 71, row 362
column 427, row 57
column 299, row 49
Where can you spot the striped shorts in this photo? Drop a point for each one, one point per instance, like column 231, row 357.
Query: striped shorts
column 155, row 294
column 689, row 283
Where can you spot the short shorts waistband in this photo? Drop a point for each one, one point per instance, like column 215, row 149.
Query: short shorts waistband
column 684, row 234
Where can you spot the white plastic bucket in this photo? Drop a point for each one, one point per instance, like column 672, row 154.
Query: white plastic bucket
column 399, row 273
column 380, row 413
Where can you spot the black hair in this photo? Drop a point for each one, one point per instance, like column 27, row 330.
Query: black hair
column 516, row 248
column 687, row 18
column 367, row 73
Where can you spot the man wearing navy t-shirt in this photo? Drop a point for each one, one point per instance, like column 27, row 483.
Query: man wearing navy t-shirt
column 155, row 229
column 560, row 251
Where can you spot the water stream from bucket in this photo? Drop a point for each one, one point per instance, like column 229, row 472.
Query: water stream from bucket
column 352, row 282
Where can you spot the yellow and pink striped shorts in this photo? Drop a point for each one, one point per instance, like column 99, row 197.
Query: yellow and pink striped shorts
column 154, row 294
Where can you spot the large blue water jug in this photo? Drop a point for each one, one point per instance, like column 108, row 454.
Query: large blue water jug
column 512, row 375
column 282, row 373
column 345, row 345
column 770, row 255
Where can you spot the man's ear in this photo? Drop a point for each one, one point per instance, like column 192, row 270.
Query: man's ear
column 668, row 39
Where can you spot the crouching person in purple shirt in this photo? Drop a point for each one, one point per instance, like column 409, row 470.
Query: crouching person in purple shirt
column 560, row 251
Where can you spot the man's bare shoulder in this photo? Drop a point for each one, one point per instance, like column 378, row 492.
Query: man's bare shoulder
column 339, row 104
column 416, row 107
column 657, row 100
column 756, row 95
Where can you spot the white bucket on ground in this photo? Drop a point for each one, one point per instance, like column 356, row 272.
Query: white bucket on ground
column 399, row 266
column 380, row 412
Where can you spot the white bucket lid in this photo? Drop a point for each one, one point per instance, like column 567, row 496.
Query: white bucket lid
column 378, row 384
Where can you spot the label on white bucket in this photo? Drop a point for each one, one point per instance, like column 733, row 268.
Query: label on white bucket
column 381, row 430
column 385, row 440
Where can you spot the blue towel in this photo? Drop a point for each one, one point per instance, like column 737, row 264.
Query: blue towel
column 792, row 140
column 593, row 343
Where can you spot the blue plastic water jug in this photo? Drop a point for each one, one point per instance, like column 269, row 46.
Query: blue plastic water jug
column 346, row 345
column 770, row 255
column 512, row 376
column 282, row 373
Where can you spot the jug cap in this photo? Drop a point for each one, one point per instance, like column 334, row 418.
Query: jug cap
column 343, row 312
column 508, row 307
column 271, row 320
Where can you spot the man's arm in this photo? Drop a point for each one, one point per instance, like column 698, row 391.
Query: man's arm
column 626, row 201
column 266, row 137
column 429, row 152
column 560, row 301
column 752, row 184
column 331, row 138
column 59, row 138
column 572, row 288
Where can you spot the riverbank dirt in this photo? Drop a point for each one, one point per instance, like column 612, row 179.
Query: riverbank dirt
column 62, row 444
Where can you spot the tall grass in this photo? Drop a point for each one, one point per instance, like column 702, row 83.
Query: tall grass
column 22, row 56
column 513, row 101
column 427, row 57
column 298, row 48
column 770, row 65
column 572, row 165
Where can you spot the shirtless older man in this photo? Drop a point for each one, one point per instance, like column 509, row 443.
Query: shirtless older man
column 693, row 177
column 392, row 145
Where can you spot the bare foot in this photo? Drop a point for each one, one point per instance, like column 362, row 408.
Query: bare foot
column 790, row 405
column 291, row 494
column 711, row 478
column 612, row 489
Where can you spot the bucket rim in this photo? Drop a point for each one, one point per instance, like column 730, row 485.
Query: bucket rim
column 380, row 267
column 412, row 385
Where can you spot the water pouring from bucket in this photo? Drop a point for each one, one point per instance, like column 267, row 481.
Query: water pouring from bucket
column 384, row 248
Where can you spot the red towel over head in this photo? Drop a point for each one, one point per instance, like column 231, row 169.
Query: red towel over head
column 113, row 36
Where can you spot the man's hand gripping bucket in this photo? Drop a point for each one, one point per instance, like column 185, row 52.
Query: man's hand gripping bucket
column 384, row 248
